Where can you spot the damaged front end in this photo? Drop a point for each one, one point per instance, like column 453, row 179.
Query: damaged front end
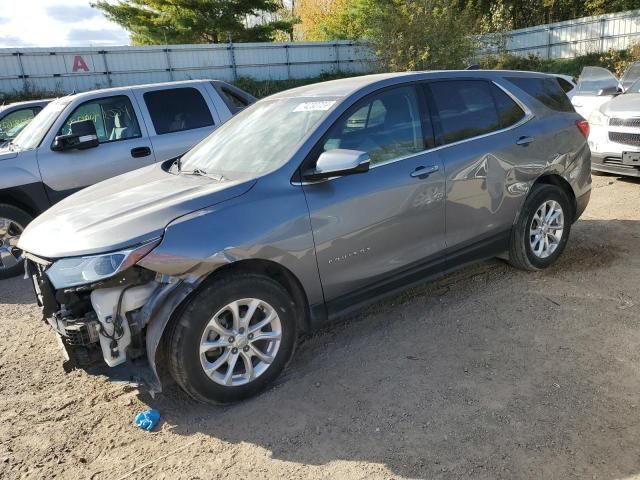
column 111, row 321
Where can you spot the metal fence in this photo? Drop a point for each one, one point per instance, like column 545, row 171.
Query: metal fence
column 80, row 69
column 68, row 69
column 575, row 37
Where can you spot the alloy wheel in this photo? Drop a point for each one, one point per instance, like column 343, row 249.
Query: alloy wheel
column 240, row 342
column 546, row 230
column 10, row 230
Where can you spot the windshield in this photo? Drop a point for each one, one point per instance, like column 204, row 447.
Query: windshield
column 635, row 88
column 34, row 132
column 594, row 79
column 259, row 139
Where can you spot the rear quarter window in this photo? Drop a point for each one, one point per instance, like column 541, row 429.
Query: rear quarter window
column 545, row 90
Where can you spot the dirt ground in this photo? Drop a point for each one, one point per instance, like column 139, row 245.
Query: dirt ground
column 487, row 373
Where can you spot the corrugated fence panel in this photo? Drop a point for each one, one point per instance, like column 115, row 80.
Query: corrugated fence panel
column 575, row 37
column 67, row 69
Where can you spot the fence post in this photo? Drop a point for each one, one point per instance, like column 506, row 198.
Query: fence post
column 232, row 55
column 169, row 67
column 286, row 54
column 549, row 38
column 602, row 30
column 337, row 47
column 106, row 67
column 21, row 66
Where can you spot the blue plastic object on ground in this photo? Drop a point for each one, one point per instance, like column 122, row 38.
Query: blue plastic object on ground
column 147, row 420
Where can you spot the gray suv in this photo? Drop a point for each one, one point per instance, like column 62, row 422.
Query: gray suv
column 303, row 207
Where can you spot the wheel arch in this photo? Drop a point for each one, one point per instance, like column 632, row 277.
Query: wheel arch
column 564, row 185
column 276, row 271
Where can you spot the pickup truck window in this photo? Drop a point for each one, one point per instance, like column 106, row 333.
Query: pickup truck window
column 12, row 124
column 113, row 117
column 177, row 109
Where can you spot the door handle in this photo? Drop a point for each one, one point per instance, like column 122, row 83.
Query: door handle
column 139, row 152
column 524, row 141
column 424, row 172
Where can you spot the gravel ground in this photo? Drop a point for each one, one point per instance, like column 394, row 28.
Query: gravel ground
column 487, row 373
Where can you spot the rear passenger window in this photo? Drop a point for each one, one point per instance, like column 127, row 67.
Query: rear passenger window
column 233, row 101
column 177, row 109
column 508, row 111
column 113, row 118
column 545, row 90
column 466, row 109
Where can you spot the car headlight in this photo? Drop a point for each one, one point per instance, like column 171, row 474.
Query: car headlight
column 598, row 118
column 70, row 272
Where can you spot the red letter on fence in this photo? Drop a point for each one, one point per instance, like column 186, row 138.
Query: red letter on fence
column 79, row 64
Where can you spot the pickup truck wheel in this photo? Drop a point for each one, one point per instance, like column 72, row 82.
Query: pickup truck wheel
column 540, row 235
column 233, row 338
column 12, row 222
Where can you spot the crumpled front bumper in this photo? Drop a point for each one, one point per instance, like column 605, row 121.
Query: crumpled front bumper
column 120, row 322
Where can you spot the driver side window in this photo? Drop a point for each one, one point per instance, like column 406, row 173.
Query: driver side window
column 113, row 118
column 386, row 126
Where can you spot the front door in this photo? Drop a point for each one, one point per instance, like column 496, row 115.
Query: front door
column 124, row 146
column 372, row 226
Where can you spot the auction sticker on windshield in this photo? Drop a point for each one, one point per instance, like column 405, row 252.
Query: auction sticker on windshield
column 315, row 106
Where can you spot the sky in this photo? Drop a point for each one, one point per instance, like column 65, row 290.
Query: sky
column 56, row 23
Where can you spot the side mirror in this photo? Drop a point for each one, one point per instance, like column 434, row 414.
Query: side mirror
column 338, row 162
column 83, row 135
column 605, row 92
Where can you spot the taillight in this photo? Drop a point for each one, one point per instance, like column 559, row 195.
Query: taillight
column 583, row 126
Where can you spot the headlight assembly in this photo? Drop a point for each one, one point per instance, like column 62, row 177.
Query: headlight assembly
column 70, row 272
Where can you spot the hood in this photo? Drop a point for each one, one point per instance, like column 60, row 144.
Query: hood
column 123, row 211
column 627, row 104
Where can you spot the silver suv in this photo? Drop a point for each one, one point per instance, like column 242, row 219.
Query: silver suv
column 304, row 206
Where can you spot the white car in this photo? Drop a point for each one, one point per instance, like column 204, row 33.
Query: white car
column 597, row 85
column 614, row 138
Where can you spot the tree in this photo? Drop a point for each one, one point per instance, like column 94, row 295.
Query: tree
column 193, row 21
column 418, row 34
column 330, row 19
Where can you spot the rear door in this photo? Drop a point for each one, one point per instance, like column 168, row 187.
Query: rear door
column 487, row 147
column 124, row 146
column 177, row 117
column 369, row 227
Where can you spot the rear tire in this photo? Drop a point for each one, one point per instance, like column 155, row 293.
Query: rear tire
column 13, row 221
column 540, row 235
column 218, row 352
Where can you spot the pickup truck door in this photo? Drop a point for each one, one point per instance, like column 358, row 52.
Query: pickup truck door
column 178, row 117
column 124, row 146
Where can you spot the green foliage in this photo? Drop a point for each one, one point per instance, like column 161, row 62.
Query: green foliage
column 616, row 61
column 193, row 21
column 417, row 34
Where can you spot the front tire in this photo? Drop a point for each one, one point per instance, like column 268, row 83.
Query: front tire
column 13, row 221
column 540, row 235
column 233, row 338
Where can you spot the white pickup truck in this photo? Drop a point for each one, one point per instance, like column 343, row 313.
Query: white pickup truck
column 82, row 139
